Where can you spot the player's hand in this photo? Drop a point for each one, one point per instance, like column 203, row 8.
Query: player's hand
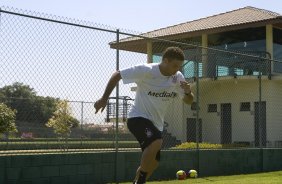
column 100, row 104
column 185, row 86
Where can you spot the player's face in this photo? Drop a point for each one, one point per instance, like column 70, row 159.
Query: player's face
column 173, row 66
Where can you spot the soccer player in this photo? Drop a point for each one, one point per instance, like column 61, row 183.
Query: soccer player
column 157, row 85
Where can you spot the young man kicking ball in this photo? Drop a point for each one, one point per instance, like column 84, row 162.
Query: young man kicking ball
column 157, row 85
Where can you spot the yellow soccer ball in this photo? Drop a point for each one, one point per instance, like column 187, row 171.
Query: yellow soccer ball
column 181, row 175
column 193, row 173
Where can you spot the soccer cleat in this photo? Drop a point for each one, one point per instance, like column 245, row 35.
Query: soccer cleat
column 142, row 177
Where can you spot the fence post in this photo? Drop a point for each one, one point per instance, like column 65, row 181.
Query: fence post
column 259, row 114
column 197, row 107
column 260, row 122
column 81, row 116
column 197, row 96
column 117, row 111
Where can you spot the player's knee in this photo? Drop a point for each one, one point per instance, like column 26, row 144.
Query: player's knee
column 158, row 156
column 157, row 144
column 159, row 141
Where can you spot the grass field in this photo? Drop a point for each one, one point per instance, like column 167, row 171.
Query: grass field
column 72, row 144
column 261, row 178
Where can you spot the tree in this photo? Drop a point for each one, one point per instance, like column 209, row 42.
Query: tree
column 44, row 107
column 7, row 119
column 62, row 121
column 29, row 106
column 18, row 90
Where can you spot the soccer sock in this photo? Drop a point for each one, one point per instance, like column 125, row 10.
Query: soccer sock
column 141, row 178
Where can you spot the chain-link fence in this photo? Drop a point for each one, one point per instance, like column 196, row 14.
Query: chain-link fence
column 47, row 59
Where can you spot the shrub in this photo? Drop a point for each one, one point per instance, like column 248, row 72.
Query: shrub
column 204, row 145
column 62, row 121
column 7, row 119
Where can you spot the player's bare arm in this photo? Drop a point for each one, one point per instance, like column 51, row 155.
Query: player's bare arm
column 189, row 96
column 102, row 102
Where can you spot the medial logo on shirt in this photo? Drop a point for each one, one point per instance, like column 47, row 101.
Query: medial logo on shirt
column 162, row 94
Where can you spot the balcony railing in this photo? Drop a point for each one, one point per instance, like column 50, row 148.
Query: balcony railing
column 229, row 64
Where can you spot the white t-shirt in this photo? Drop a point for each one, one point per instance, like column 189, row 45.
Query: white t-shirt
column 155, row 92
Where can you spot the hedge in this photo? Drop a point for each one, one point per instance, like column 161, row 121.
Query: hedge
column 204, row 145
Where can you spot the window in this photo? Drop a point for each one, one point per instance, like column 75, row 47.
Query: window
column 277, row 49
column 212, row 108
column 245, row 106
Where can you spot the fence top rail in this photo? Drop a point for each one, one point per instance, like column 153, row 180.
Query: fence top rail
column 117, row 31
column 55, row 99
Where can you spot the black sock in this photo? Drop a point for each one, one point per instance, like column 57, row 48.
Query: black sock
column 141, row 178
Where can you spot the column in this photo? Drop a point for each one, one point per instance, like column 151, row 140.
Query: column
column 269, row 42
column 204, row 55
column 149, row 51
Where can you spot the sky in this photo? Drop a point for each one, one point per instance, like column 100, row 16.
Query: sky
column 139, row 16
column 75, row 64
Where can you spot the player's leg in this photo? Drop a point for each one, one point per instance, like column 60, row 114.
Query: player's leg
column 137, row 129
column 137, row 174
column 154, row 165
column 148, row 160
column 150, row 140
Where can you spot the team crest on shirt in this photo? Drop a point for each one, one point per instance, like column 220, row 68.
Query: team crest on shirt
column 148, row 132
column 174, row 78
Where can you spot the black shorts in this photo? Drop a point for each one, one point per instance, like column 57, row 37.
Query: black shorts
column 144, row 131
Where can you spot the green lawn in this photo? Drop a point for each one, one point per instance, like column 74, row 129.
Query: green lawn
column 261, row 178
column 72, row 144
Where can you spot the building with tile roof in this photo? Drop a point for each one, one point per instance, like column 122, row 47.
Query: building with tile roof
column 229, row 53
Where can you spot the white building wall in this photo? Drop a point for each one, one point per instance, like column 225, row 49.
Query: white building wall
column 210, row 123
column 274, row 113
column 174, row 118
column 234, row 91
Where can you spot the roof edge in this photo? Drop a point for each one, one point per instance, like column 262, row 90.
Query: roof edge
column 247, row 7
